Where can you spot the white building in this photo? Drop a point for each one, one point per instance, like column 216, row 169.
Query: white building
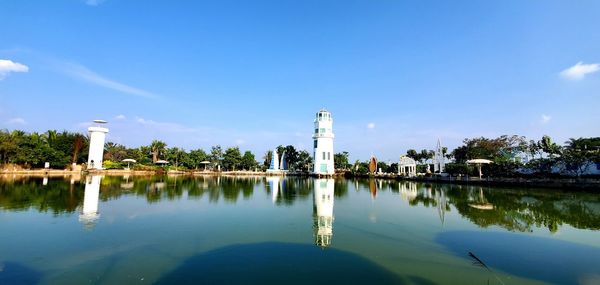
column 97, row 138
column 323, row 144
column 407, row 166
column 323, row 211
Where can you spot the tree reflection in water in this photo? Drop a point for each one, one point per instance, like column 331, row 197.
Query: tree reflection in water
column 514, row 209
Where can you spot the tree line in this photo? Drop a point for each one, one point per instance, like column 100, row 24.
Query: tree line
column 512, row 155
column 62, row 149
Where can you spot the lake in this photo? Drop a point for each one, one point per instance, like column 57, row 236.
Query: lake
column 274, row 230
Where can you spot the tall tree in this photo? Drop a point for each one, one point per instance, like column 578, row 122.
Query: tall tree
column 549, row 147
column 248, row 161
column 232, row 158
column 413, row 154
column 196, row 157
column 267, row 158
column 216, row 155
column 501, row 149
column 157, row 148
column 114, row 152
column 305, row 160
column 340, row 160
column 579, row 153
column 177, row 157
column 79, row 141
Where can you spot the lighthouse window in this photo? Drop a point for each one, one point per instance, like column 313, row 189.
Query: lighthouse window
column 316, row 144
column 323, row 155
column 322, row 130
column 328, row 155
column 316, row 131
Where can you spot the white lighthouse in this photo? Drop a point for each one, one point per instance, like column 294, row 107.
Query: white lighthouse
column 323, row 144
column 97, row 138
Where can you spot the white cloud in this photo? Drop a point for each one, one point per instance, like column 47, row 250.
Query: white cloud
column 371, row 125
column 120, row 117
column 8, row 66
column 83, row 73
column 579, row 70
column 545, row 119
column 239, row 142
column 16, row 121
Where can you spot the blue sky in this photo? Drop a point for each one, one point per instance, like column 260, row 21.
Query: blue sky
column 395, row 74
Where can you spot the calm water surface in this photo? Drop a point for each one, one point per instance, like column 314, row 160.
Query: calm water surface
column 228, row 230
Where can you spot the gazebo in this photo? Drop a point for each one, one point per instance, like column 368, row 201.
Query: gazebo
column 479, row 162
column 407, row 166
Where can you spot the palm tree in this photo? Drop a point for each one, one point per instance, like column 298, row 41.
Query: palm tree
column 157, row 148
column 50, row 137
column 78, row 142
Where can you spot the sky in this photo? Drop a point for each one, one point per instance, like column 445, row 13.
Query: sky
column 395, row 75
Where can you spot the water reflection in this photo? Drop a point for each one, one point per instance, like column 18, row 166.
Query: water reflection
column 373, row 188
column 273, row 183
column 89, row 213
column 323, row 198
column 514, row 209
column 408, row 190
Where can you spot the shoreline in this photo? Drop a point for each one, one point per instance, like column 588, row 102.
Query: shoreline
column 556, row 183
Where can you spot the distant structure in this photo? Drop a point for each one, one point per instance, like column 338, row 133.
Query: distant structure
column 97, row 137
column 283, row 165
column 274, row 161
column 407, row 166
column 323, row 144
column 439, row 163
column 373, row 164
column 89, row 213
column 323, row 211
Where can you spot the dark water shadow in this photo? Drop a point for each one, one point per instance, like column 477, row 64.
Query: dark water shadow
column 545, row 259
column 279, row 263
column 418, row 280
column 15, row 273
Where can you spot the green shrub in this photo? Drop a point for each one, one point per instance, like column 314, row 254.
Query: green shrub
column 107, row 164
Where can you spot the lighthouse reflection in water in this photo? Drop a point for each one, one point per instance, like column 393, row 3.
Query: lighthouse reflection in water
column 323, row 211
column 89, row 213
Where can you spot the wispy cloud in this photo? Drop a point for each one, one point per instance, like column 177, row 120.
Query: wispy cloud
column 120, row 117
column 17, row 121
column 165, row 126
column 83, row 73
column 545, row 119
column 579, row 71
column 94, row 2
column 371, row 126
column 8, row 66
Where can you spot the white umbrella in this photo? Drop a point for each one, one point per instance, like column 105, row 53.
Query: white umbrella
column 129, row 160
column 161, row 162
column 206, row 162
column 479, row 162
